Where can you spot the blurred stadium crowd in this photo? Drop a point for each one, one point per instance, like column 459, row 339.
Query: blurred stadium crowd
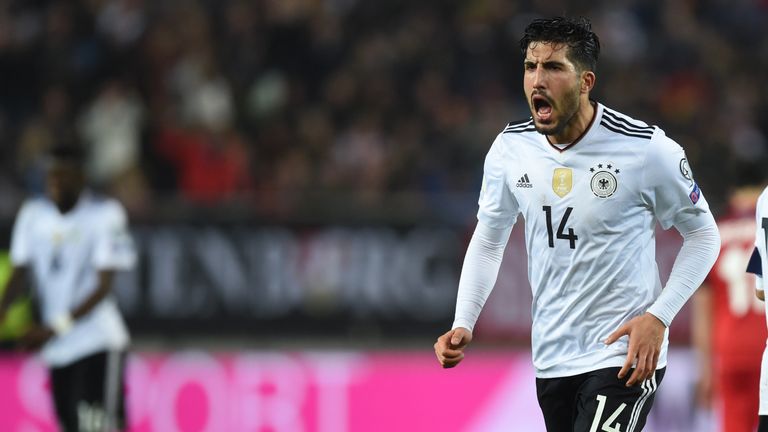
column 295, row 109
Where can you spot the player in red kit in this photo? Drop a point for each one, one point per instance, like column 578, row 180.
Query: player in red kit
column 729, row 329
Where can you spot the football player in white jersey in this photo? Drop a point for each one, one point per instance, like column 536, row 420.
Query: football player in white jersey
column 69, row 246
column 591, row 184
column 757, row 263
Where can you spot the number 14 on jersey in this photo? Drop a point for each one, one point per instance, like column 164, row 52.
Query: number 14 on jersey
column 571, row 236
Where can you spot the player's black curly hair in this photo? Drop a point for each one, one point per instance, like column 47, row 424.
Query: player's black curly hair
column 583, row 44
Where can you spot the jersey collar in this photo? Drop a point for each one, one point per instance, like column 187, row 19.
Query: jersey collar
column 587, row 132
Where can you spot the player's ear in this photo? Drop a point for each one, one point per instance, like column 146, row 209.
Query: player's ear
column 587, row 81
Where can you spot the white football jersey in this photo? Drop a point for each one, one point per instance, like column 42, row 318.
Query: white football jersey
column 761, row 241
column 590, row 210
column 761, row 232
column 64, row 253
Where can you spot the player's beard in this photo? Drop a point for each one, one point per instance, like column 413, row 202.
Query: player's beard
column 567, row 108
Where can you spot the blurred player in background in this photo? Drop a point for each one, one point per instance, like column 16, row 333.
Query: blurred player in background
column 757, row 263
column 591, row 184
column 729, row 328
column 69, row 246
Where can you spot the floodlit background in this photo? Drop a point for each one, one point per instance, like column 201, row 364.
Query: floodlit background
column 302, row 177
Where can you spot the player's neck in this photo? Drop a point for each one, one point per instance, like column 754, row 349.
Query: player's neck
column 577, row 126
column 67, row 205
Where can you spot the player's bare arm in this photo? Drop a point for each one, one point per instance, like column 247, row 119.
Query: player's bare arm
column 760, row 294
column 646, row 334
column 103, row 289
column 701, row 331
column 35, row 336
column 38, row 335
column 13, row 288
column 449, row 347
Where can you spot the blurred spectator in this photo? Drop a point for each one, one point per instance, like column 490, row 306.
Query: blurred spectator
column 122, row 21
column 205, row 97
column 211, row 166
column 50, row 127
column 111, row 131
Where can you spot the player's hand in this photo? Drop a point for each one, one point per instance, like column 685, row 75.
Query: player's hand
column 449, row 347
column 646, row 334
column 35, row 338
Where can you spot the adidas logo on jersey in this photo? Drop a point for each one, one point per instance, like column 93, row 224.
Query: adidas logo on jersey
column 524, row 182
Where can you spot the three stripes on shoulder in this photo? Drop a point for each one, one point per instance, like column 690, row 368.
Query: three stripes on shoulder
column 613, row 122
column 610, row 120
column 520, row 126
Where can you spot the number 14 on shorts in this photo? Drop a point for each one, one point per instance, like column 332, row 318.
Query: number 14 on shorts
column 607, row 425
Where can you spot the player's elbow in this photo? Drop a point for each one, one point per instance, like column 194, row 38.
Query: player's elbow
column 710, row 239
column 760, row 294
column 717, row 239
column 711, row 236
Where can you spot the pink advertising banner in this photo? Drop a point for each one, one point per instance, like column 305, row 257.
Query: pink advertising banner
column 310, row 392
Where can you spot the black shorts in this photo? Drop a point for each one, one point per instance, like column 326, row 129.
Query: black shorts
column 596, row 401
column 762, row 425
column 88, row 395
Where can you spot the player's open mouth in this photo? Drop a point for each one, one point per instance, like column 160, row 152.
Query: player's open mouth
column 541, row 107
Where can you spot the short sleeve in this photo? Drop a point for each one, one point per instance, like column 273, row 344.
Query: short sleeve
column 21, row 241
column 114, row 245
column 669, row 186
column 497, row 205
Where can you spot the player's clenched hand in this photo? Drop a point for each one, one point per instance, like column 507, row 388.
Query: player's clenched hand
column 449, row 347
column 646, row 334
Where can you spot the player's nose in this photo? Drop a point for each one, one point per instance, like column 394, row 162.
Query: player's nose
column 539, row 77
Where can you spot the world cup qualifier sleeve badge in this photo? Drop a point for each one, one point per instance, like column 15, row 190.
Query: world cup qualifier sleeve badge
column 685, row 170
column 604, row 182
